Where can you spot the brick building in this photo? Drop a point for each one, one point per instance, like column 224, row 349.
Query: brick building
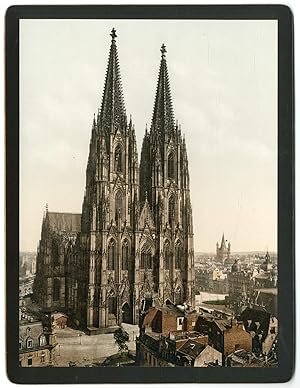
column 167, row 338
column 36, row 342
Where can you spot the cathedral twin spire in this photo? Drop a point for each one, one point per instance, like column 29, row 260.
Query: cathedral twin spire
column 163, row 117
column 113, row 113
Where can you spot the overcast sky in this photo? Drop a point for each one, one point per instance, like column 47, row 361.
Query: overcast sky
column 223, row 77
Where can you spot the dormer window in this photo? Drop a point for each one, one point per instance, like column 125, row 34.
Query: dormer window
column 29, row 343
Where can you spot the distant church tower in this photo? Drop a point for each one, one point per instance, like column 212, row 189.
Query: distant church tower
column 223, row 251
column 164, row 187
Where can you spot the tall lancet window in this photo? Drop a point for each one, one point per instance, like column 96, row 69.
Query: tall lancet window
column 119, row 205
column 146, row 258
column 171, row 209
column 55, row 252
column 111, row 255
column 56, row 289
column 178, row 255
column 171, row 166
column 167, row 255
column 118, row 159
column 125, row 255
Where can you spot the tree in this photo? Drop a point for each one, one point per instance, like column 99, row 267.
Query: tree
column 121, row 337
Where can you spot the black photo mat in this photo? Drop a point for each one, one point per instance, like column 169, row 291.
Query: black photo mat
column 285, row 216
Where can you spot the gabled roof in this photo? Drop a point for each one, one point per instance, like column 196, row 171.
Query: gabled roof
column 191, row 348
column 64, row 222
column 223, row 324
column 170, row 307
column 32, row 330
column 150, row 316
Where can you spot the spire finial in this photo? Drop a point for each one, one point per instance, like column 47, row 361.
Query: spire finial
column 163, row 50
column 113, row 34
column 46, row 207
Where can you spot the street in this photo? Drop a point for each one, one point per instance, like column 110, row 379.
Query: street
column 76, row 347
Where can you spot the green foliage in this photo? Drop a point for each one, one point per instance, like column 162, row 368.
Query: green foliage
column 121, row 337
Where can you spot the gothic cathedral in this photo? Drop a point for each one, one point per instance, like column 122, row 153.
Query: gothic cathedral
column 133, row 245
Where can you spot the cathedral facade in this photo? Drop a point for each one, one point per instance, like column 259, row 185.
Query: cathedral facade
column 132, row 246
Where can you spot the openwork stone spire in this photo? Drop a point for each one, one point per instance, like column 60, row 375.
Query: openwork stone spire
column 113, row 114
column 163, row 117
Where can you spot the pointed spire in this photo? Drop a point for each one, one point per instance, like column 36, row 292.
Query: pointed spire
column 223, row 240
column 163, row 118
column 113, row 112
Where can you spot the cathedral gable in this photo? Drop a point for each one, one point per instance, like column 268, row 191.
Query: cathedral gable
column 112, row 231
column 119, row 184
column 111, row 287
column 118, row 138
column 178, row 285
column 167, row 288
column 146, row 217
column 126, row 231
column 125, row 289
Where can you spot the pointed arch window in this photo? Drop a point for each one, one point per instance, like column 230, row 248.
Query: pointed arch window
column 146, row 258
column 112, row 305
column 125, row 255
column 178, row 255
column 171, row 166
column 167, row 255
column 56, row 290
column 55, row 252
column 111, row 255
column 178, row 295
column 118, row 159
column 171, row 209
column 119, row 205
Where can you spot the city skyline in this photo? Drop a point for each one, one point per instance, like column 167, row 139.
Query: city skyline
column 228, row 140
